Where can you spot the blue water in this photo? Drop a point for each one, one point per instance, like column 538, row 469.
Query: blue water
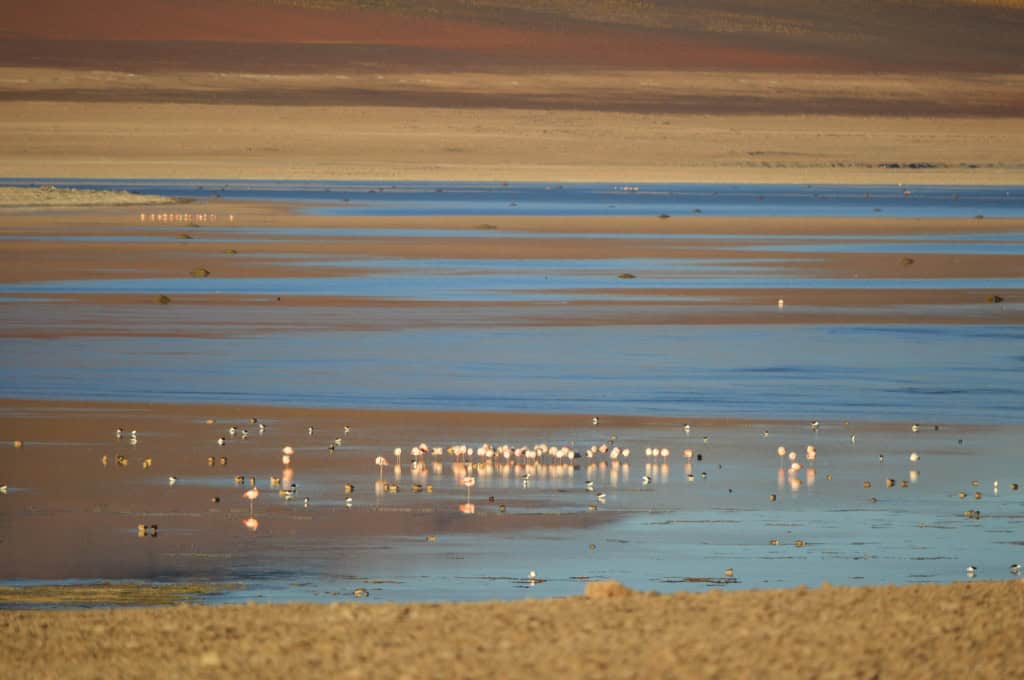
column 501, row 337
column 679, row 200
column 958, row 373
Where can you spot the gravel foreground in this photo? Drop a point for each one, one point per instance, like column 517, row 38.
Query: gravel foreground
column 933, row 631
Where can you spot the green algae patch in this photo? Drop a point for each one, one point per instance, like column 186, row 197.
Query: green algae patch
column 109, row 594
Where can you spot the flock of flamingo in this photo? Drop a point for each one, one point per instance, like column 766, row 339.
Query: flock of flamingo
column 468, row 462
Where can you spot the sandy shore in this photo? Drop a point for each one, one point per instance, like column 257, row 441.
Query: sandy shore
column 963, row 629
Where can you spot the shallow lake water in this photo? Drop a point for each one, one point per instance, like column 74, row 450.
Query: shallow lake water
column 858, row 378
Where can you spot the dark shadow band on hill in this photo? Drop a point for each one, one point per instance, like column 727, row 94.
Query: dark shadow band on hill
column 661, row 52
column 608, row 102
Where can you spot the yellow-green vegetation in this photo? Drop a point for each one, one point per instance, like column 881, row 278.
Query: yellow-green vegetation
column 147, row 594
column 45, row 196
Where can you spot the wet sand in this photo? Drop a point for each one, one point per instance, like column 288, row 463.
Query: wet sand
column 913, row 631
column 224, row 237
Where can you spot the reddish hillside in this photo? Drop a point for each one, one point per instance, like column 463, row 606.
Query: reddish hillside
column 236, row 34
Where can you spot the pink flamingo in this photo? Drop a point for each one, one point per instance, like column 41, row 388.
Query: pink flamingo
column 381, row 462
column 252, row 494
column 468, row 482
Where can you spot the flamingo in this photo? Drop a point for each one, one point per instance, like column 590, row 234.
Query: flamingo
column 381, row 462
column 252, row 494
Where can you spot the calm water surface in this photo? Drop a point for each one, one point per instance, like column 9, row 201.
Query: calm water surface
column 668, row 535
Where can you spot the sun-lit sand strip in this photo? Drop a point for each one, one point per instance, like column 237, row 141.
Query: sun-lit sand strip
column 52, row 197
column 500, row 144
column 912, row 631
column 105, row 594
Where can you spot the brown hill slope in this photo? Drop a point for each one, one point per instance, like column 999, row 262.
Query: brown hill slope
column 304, row 35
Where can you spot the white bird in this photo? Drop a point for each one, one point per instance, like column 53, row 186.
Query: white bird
column 686, row 428
column 309, row 430
column 171, row 480
column 914, row 456
column 220, row 441
column 595, row 420
column 232, row 430
column 347, row 429
column 645, row 480
column 971, row 570
column 915, row 427
column 1014, row 568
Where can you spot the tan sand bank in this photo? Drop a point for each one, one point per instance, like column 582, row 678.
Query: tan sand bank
column 549, row 126
column 921, row 631
column 52, row 197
